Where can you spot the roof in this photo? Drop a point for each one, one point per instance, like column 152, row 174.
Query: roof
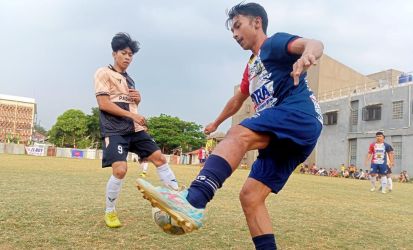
column 17, row 98
column 194, row 152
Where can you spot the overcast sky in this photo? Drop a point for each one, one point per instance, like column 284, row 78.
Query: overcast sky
column 189, row 63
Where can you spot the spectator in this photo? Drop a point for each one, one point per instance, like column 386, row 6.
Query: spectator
column 302, row 169
column 404, row 177
column 202, row 155
column 352, row 170
column 361, row 175
column 314, row 169
column 346, row 173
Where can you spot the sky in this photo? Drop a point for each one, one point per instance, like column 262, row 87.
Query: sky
column 189, row 63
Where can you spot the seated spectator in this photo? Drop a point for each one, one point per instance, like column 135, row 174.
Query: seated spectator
column 330, row 172
column 404, row 177
column 306, row 170
column 358, row 173
column 334, row 173
column 366, row 174
column 346, row 173
column 314, row 169
column 361, row 175
column 302, row 169
column 342, row 168
column 352, row 170
column 322, row 172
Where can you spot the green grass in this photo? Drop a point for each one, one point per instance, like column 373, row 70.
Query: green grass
column 57, row 203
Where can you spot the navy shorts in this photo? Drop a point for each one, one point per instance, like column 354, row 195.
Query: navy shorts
column 378, row 169
column 294, row 136
column 389, row 170
column 116, row 147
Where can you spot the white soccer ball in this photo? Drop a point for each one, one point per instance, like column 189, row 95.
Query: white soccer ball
column 166, row 222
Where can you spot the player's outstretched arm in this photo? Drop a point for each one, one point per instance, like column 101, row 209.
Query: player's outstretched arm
column 106, row 105
column 232, row 106
column 391, row 158
column 310, row 51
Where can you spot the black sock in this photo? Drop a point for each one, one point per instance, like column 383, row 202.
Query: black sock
column 215, row 171
column 264, row 242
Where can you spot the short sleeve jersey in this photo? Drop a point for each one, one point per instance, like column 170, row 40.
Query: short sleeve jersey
column 267, row 79
column 116, row 85
column 379, row 152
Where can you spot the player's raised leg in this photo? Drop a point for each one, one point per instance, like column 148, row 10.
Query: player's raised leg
column 189, row 205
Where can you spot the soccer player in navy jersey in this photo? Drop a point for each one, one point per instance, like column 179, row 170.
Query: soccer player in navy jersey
column 284, row 128
column 381, row 156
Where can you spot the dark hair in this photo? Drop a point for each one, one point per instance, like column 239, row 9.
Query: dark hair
column 122, row 41
column 248, row 9
column 380, row 133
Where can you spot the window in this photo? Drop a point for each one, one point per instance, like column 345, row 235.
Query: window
column 372, row 112
column 353, row 151
column 397, row 147
column 398, row 110
column 330, row 118
column 354, row 114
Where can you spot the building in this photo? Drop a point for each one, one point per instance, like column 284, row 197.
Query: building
column 332, row 80
column 351, row 122
column 17, row 117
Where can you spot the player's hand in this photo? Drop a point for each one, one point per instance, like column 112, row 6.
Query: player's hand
column 139, row 119
column 301, row 66
column 135, row 95
column 210, row 128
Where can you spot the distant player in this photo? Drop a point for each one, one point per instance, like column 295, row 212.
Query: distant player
column 144, row 165
column 122, row 128
column 389, row 172
column 202, row 155
column 284, row 128
column 378, row 155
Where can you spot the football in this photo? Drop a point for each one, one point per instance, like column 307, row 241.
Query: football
column 166, row 222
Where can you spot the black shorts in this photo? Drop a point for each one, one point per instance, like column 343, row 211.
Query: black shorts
column 116, row 147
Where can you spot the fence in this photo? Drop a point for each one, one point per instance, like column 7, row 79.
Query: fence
column 45, row 150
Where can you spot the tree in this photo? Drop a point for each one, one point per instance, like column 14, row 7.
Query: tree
column 70, row 130
column 171, row 132
column 93, row 128
column 40, row 129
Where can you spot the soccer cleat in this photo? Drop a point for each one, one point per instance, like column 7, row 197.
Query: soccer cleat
column 174, row 203
column 383, row 191
column 372, row 189
column 112, row 220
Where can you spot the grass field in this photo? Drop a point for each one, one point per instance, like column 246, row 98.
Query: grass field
column 57, row 203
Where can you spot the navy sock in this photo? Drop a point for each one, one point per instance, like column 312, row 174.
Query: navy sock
column 215, row 171
column 264, row 242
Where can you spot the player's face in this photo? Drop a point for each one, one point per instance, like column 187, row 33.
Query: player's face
column 123, row 58
column 379, row 138
column 244, row 31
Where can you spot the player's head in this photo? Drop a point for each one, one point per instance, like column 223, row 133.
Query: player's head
column 380, row 137
column 123, row 48
column 246, row 20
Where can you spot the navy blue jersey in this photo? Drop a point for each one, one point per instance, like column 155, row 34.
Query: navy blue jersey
column 267, row 79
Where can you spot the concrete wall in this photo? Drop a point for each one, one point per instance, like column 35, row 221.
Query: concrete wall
column 17, row 149
column 333, row 146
